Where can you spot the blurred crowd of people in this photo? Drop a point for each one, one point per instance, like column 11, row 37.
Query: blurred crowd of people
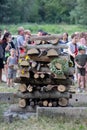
column 10, row 50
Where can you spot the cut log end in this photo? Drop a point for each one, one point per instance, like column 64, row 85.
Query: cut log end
column 61, row 88
column 30, row 88
column 22, row 88
column 63, row 102
column 22, row 103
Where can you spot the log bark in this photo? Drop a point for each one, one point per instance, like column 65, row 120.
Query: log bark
column 63, row 102
column 42, row 58
column 22, row 88
column 32, row 103
column 46, row 81
column 22, row 103
column 40, row 103
column 43, row 95
column 46, row 46
column 54, row 103
column 46, row 38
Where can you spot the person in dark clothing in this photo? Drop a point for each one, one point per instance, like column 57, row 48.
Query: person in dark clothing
column 81, row 63
column 7, row 45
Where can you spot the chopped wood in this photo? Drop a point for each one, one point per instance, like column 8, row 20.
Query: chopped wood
column 22, row 103
column 32, row 103
column 45, row 103
column 33, row 51
column 42, row 75
column 40, row 103
column 61, row 88
column 45, row 81
column 52, row 52
column 54, row 103
column 58, row 66
column 34, row 64
column 43, row 95
column 42, row 58
column 63, row 101
column 46, row 46
column 46, row 38
column 50, row 104
column 54, row 42
column 36, row 75
column 30, row 88
column 22, row 88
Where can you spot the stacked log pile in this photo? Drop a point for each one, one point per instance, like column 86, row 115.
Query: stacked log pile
column 38, row 84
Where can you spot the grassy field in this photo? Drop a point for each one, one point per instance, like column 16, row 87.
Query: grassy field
column 50, row 28
column 43, row 124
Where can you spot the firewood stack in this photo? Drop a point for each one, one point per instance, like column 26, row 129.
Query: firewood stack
column 39, row 84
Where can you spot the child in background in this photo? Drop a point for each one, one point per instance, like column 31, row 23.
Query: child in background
column 12, row 63
column 81, row 63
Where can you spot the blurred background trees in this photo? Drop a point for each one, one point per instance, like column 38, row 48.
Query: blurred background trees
column 46, row 11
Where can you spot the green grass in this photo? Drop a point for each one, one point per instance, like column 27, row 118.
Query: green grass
column 5, row 88
column 50, row 28
column 44, row 124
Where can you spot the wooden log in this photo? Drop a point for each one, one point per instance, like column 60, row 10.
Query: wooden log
column 42, row 58
column 54, row 103
column 34, row 64
column 47, row 88
column 30, row 88
column 50, row 104
column 33, row 51
column 45, row 69
column 38, row 67
column 45, row 103
column 61, row 88
column 42, row 75
column 54, row 42
column 58, row 66
column 63, row 102
column 40, row 103
column 32, row 103
column 36, row 75
column 46, row 38
column 46, row 46
column 52, row 52
column 22, row 103
column 22, row 88
column 46, row 81
column 43, row 95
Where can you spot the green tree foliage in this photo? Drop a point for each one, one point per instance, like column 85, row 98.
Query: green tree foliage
column 79, row 14
column 49, row 11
